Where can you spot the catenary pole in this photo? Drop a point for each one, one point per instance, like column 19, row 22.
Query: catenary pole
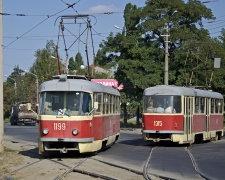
column 1, row 85
column 166, row 78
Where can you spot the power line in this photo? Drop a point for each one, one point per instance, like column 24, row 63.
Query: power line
column 47, row 15
column 35, row 26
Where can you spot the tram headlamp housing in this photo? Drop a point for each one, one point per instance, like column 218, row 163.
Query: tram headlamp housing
column 75, row 132
column 45, row 131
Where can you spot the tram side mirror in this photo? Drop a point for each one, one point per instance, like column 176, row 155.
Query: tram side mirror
column 96, row 105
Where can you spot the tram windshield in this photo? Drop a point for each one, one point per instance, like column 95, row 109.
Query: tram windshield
column 65, row 103
column 162, row 104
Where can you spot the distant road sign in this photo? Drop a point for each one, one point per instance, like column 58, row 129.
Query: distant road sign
column 217, row 62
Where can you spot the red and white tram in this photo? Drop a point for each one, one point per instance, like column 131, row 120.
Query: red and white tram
column 181, row 114
column 77, row 115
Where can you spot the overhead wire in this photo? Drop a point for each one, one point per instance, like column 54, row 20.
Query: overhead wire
column 35, row 26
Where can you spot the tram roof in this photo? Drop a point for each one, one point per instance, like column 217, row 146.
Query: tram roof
column 180, row 91
column 64, row 84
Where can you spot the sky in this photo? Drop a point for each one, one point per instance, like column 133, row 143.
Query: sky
column 23, row 35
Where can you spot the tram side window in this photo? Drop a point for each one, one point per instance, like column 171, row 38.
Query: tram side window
column 202, row 104
column 217, row 106
column 113, row 104
column 105, row 105
column 212, row 105
column 221, row 106
column 98, row 98
column 109, row 104
column 162, row 104
column 118, row 104
column 87, row 104
column 197, row 105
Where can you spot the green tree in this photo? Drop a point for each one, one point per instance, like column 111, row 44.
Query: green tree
column 45, row 66
column 78, row 61
column 138, row 52
column 71, row 65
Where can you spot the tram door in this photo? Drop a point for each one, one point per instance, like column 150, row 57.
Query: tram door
column 207, row 109
column 188, row 117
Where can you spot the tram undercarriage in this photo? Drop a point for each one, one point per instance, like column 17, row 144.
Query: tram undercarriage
column 183, row 138
column 82, row 147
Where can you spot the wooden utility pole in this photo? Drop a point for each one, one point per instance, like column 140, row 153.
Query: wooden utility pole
column 1, row 85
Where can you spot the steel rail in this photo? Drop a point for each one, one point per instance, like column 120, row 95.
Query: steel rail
column 70, row 170
column 196, row 165
column 145, row 173
column 118, row 166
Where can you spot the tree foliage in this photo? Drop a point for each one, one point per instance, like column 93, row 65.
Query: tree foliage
column 138, row 51
column 71, row 65
column 44, row 67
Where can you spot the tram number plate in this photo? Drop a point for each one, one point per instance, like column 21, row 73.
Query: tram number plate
column 60, row 126
column 157, row 123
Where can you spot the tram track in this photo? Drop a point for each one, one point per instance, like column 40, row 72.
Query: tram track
column 96, row 175
column 196, row 165
column 191, row 156
column 70, row 168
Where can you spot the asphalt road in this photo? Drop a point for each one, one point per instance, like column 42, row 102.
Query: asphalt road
column 167, row 159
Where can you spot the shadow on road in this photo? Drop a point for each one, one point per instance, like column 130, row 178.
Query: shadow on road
column 136, row 142
column 33, row 153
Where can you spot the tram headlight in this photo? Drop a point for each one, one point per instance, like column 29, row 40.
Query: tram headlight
column 75, row 132
column 45, row 131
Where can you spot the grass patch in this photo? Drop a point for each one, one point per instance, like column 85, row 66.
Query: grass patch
column 9, row 159
column 130, row 124
column 7, row 120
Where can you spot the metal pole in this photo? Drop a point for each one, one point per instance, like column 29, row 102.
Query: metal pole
column 36, row 83
column 1, row 86
column 37, row 90
column 166, row 76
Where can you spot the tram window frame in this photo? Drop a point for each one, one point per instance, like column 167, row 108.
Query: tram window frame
column 104, row 103
column 221, row 106
column 202, row 104
column 117, row 110
column 162, row 104
column 116, row 104
column 212, row 106
column 98, row 99
column 217, row 106
column 197, row 105
column 113, row 104
column 110, row 104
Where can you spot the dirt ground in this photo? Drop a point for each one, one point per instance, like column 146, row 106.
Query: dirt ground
column 9, row 160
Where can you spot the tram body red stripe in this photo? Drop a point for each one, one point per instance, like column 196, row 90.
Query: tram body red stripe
column 83, row 127
column 199, row 123
column 105, row 126
column 98, row 128
column 215, row 122
column 163, row 122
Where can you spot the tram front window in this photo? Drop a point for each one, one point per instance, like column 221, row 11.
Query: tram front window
column 162, row 104
column 65, row 103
